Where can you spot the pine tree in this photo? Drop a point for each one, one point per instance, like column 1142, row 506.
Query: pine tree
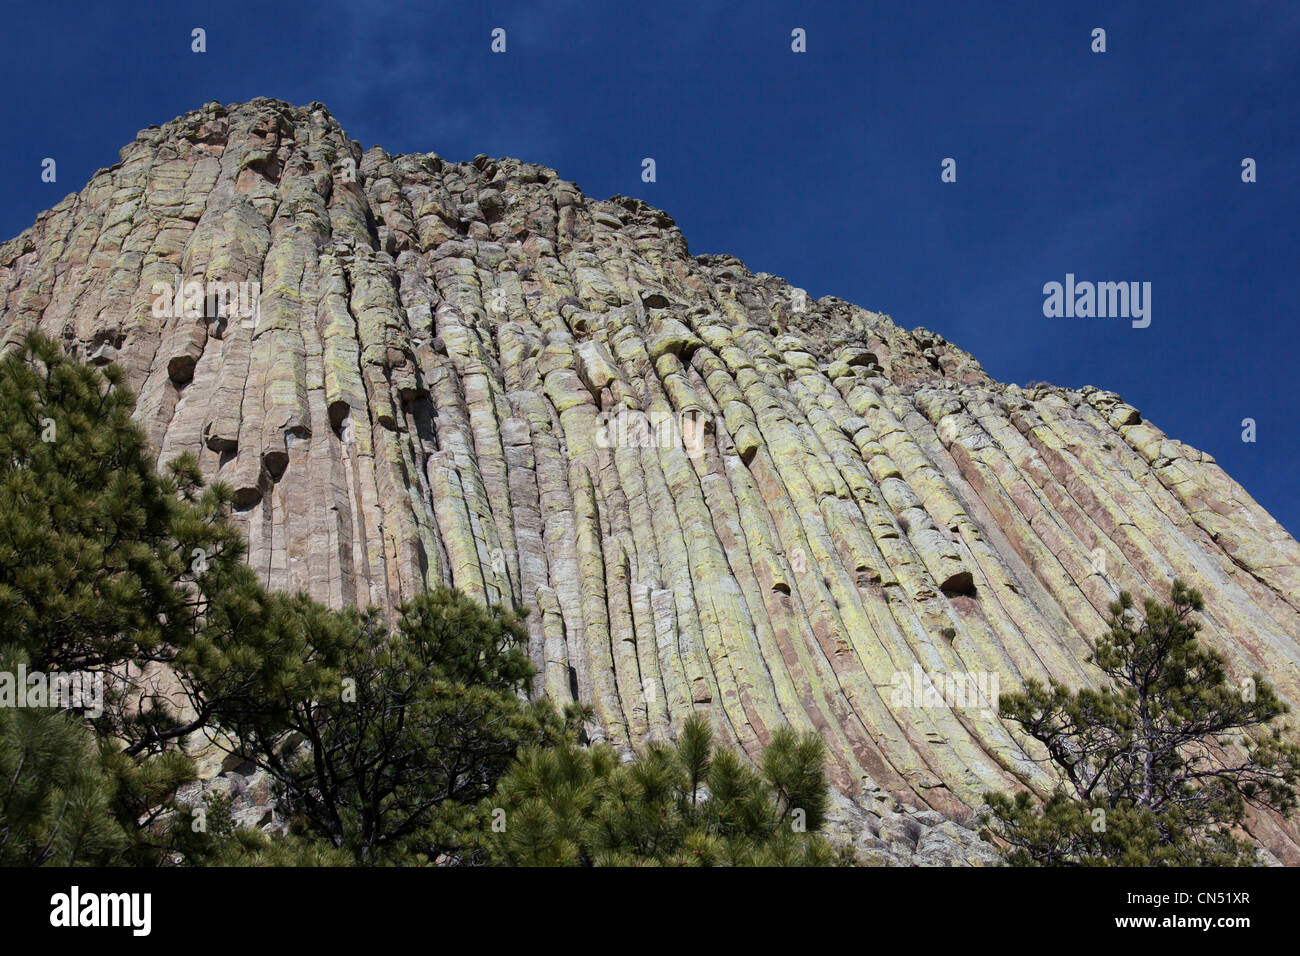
column 55, row 797
column 106, row 566
column 1159, row 766
column 690, row 804
column 382, row 742
column 110, row 570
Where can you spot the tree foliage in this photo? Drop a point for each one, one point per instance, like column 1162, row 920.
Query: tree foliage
column 381, row 741
column 689, row 804
column 56, row 799
column 106, row 566
column 1159, row 766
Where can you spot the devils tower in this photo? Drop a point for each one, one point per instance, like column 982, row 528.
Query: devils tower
column 711, row 492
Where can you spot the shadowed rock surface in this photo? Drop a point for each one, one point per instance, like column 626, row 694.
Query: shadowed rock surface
column 456, row 373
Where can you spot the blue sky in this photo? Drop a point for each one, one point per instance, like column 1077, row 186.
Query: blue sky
column 822, row 167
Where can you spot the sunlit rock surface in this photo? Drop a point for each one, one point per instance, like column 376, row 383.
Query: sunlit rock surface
column 711, row 492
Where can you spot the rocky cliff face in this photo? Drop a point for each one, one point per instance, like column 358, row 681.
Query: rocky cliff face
column 711, row 491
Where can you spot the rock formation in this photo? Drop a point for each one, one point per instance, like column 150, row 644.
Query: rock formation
column 711, row 491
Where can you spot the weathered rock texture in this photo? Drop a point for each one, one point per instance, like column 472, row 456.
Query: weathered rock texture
column 424, row 397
